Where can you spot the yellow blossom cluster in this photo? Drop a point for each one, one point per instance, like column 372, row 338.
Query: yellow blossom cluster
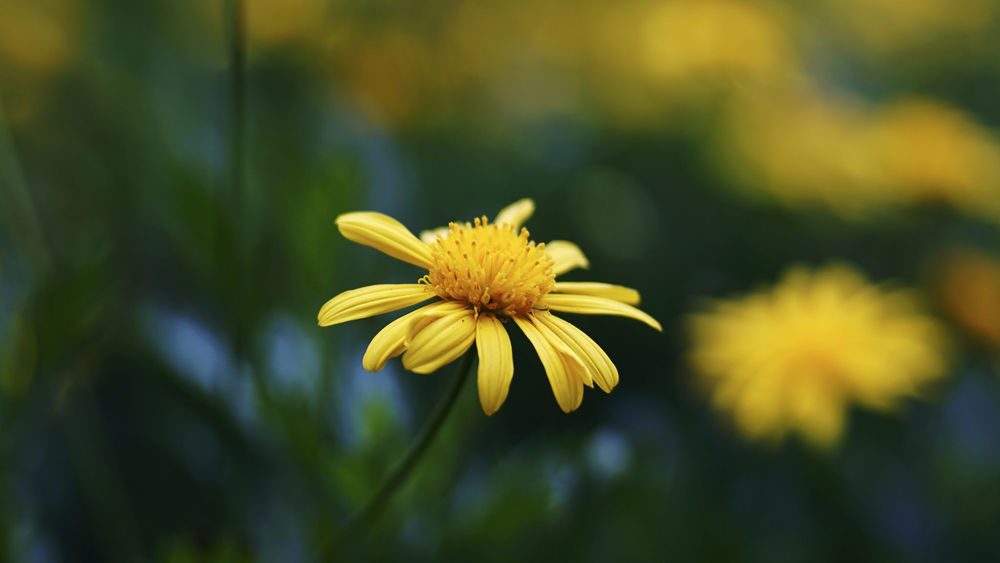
column 853, row 158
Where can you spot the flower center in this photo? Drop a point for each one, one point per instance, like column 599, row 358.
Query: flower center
column 490, row 267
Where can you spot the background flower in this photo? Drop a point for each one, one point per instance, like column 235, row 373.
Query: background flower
column 795, row 357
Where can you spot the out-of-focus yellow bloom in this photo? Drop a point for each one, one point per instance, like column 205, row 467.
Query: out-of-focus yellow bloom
column 805, row 148
column 392, row 77
column 799, row 147
column 886, row 26
column 969, row 287
column 37, row 41
column 924, row 150
column 686, row 40
column 794, row 358
column 485, row 276
column 273, row 22
column 667, row 57
column 37, row 36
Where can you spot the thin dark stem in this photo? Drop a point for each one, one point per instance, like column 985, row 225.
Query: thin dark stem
column 367, row 518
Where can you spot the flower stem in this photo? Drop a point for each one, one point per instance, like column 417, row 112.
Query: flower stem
column 369, row 515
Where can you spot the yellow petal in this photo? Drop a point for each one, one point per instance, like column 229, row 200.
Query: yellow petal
column 559, row 367
column 600, row 366
column 565, row 256
column 606, row 290
column 579, row 368
column 818, row 412
column 372, row 300
column 496, row 362
column 391, row 340
column 516, row 213
column 386, row 234
column 441, row 342
column 432, row 235
column 590, row 305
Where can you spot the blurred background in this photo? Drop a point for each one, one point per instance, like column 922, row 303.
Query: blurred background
column 167, row 239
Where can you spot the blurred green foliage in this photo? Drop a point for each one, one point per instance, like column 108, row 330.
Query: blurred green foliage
column 166, row 395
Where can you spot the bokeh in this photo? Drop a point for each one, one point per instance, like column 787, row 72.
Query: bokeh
column 170, row 172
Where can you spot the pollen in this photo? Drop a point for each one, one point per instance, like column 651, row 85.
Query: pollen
column 491, row 267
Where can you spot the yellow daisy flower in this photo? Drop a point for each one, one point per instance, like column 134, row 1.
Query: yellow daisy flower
column 483, row 275
column 969, row 289
column 794, row 358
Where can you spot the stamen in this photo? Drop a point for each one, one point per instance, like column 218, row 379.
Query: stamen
column 500, row 270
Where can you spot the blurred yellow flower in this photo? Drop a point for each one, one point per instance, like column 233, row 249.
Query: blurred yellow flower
column 272, row 22
column 887, row 26
column 484, row 276
column 969, row 287
column 663, row 59
column 685, row 39
column 38, row 40
column 805, row 148
column 925, row 150
column 798, row 146
column 38, row 35
column 795, row 357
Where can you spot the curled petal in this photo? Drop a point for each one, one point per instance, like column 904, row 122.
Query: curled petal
column 516, row 213
column 562, row 369
column 370, row 301
column 590, row 305
column 565, row 256
column 496, row 362
column 600, row 366
column 391, row 340
column 440, row 342
column 386, row 234
column 606, row 290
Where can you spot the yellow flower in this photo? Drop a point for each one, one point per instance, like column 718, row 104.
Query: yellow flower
column 969, row 289
column 796, row 357
column 484, row 275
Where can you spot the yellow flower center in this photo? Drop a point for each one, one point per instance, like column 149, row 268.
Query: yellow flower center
column 490, row 267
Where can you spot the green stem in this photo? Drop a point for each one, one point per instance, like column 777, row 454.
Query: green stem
column 367, row 517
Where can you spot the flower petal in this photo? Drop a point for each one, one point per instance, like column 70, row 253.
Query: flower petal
column 565, row 256
column 579, row 367
column 590, row 305
column 600, row 366
column 372, row 300
column 496, row 362
column 516, row 213
column 391, row 340
column 385, row 234
column 559, row 367
column 441, row 342
column 606, row 290
column 432, row 235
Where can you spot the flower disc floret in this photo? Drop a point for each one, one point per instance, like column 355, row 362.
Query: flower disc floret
column 492, row 267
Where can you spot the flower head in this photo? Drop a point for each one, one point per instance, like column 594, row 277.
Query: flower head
column 796, row 357
column 484, row 275
column 969, row 289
